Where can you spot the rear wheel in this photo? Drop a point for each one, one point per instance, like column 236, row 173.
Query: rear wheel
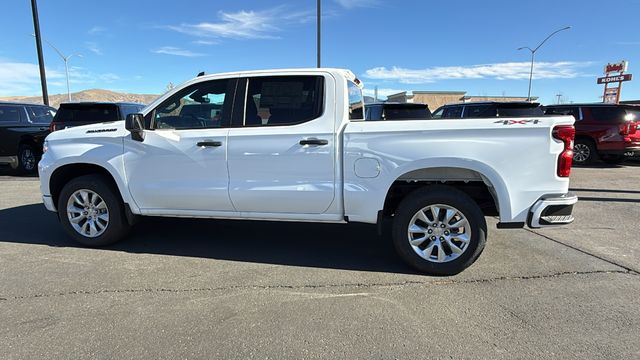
column 439, row 230
column 27, row 159
column 91, row 211
column 584, row 151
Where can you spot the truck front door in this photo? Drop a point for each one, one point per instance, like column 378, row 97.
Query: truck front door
column 182, row 162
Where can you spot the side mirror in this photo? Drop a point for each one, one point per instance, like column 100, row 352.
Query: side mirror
column 135, row 124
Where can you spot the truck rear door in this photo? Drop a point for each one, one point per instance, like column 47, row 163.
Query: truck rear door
column 281, row 148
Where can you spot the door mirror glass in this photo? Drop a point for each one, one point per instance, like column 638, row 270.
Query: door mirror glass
column 135, row 124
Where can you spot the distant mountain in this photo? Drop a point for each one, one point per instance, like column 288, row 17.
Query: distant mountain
column 86, row 95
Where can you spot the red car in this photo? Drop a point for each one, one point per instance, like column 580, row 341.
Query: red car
column 607, row 131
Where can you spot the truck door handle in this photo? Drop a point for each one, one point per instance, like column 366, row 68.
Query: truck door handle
column 209, row 143
column 314, row 142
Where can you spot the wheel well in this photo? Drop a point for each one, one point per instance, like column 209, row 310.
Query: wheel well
column 64, row 174
column 587, row 138
column 27, row 140
column 468, row 181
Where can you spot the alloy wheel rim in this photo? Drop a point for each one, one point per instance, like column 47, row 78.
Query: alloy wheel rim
column 88, row 213
column 439, row 233
column 581, row 152
column 28, row 159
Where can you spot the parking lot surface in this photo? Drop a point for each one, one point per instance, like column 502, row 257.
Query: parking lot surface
column 229, row 289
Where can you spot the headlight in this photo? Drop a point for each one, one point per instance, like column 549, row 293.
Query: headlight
column 45, row 147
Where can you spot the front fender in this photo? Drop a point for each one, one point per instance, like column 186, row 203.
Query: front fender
column 107, row 154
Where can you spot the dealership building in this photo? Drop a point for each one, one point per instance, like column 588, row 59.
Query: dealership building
column 435, row 99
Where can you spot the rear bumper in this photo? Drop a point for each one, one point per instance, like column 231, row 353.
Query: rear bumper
column 11, row 160
column 552, row 210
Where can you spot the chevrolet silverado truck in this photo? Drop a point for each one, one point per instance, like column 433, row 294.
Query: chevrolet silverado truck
column 292, row 145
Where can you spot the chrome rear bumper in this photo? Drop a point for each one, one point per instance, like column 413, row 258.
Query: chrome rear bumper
column 552, row 210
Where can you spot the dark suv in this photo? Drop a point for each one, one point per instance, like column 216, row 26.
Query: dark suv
column 602, row 130
column 487, row 109
column 85, row 113
column 23, row 128
column 396, row 111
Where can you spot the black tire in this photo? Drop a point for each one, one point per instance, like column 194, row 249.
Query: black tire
column 445, row 195
column 117, row 227
column 584, row 151
column 613, row 159
column 27, row 159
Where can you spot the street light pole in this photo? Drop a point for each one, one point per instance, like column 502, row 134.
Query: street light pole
column 66, row 65
column 533, row 53
column 318, row 33
column 43, row 75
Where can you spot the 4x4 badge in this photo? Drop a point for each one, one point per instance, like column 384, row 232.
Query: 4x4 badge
column 513, row 122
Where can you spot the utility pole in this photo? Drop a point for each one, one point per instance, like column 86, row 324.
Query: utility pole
column 43, row 75
column 558, row 95
column 318, row 21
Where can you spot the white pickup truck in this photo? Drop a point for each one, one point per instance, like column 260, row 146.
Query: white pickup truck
column 291, row 145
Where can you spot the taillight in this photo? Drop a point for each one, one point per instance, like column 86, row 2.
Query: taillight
column 628, row 128
column 566, row 134
column 56, row 126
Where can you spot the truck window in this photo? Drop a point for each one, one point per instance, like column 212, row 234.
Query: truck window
column 373, row 112
column 573, row 111
column 452, row 112
column 406, row 112
column 283, row 100
column 479, row 111
column 40, row 114
column 609, row 114
column 199, row 106
column 10, row 114
column 356, row 102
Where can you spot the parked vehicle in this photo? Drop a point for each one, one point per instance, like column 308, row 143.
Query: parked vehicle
column 607, row 131
column 396, row 111
column 84, row 113
column 23, row 128
column 292, row 145
column 506, row 109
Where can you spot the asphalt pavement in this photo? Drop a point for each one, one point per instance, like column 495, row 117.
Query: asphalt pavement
column 212, row 289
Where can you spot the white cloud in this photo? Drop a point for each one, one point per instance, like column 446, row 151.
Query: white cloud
column 351, row 4
column 96, row 30
column 22, row 78
column 171, row 50
column 245, row 24
column 205, row 42
column 382, row 92
column 93, row 47
column 499, row 71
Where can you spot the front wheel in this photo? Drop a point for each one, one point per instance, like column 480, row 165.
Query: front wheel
column 91, row 211
column 439, row 230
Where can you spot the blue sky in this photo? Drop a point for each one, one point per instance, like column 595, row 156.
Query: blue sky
column 141, row 46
